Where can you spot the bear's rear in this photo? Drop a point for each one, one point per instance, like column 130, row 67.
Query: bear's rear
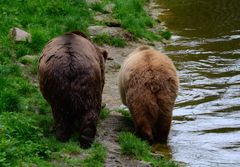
column 148, row 85
column 71, row 75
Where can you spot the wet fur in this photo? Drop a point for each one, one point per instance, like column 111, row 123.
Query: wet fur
column 148, row 85
column 71, row 75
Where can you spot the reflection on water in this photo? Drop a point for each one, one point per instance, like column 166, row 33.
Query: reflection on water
column 162, row 149
column 206, row 51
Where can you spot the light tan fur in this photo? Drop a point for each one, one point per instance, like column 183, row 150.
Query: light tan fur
column 148, row 85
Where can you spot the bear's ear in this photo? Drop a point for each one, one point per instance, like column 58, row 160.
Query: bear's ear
column 104, row 53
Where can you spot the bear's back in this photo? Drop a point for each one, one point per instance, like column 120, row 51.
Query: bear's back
column 147, row 69
column 69, row 51
column 70, row 63
column 147, row 63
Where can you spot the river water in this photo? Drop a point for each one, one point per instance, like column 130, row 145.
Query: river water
column 205, row 48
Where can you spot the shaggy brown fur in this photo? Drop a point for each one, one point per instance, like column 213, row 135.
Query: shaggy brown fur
column 148, row 85
column 71, row 74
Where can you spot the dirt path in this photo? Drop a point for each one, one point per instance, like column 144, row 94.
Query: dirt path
column 111, row 95
column 107, row 135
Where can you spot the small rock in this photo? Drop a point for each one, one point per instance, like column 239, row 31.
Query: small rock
column 109, row 58
column 113, row 66
column 107, row 19
column 19, row 35
column 123, row 107
column 28, row 59
column 109, row 7
column 102, row 17
column 111, row 31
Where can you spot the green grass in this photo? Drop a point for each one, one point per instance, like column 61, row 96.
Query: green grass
column 135, row 147
column 166, row 34
column 98, row 154
column 28, row 59
column 24, row 142
column 105, row 112
column 94, row 156
column 125, row 113
column 106, row 39
column 137, row 21
column 127, row 118
column 43, row 19
column 98, row 7
column 20, row 140
column 134, row 18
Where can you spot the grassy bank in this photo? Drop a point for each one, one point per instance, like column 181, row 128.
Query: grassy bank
column 136, row 148
column 26, row 137
column 132, row 16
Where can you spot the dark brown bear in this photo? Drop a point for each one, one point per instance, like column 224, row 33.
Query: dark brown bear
column 148, row 85
column 71, row 74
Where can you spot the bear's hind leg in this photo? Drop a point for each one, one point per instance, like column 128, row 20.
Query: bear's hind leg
column 88, row 129
column 144, row 130
column 63, row 123
column 161, row 130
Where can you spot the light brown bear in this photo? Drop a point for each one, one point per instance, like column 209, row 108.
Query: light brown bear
column 71, row 76
column 148, row 85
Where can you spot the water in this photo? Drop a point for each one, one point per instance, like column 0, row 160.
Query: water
column 206, row 51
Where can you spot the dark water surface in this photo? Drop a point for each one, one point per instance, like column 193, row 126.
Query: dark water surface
column 206, row 51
